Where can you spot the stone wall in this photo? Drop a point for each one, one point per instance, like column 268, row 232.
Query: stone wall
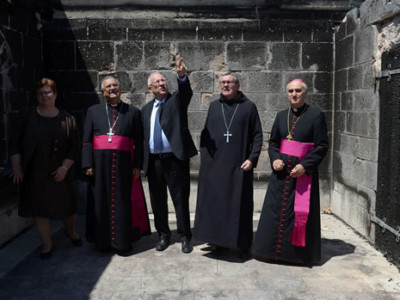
column 20, row 66
column 359, row 42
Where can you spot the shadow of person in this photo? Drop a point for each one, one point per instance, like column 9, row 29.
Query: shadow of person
column 334, row 247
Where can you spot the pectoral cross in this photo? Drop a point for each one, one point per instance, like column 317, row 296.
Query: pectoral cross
column 110, row 134
column 227, row 134
column 289, row 136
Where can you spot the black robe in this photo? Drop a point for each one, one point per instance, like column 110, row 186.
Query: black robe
column 109, row 217
column 224, row 213
column 277, row 217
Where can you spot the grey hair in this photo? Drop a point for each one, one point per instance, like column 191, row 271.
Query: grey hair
column 148, row 79
column 109, row 77
column 229, row 74
column 305, row 87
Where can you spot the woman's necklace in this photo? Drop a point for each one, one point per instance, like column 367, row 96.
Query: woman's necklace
column 289, row 136
column 47, row 114
column 228, row 134
column 110, row 128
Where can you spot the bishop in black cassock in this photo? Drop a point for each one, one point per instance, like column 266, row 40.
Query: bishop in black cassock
column 289, row 229
column 230, row 144
column 112, row 157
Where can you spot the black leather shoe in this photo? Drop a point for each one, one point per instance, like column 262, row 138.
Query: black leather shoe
column 186, row 246
column 75, row 242
column 46, row 255
column 162, row 244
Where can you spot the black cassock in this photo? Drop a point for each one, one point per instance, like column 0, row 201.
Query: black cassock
column 224, row 213
column 272, row 240
column 117, row 213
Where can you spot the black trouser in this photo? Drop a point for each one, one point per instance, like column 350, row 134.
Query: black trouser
column 168, row 171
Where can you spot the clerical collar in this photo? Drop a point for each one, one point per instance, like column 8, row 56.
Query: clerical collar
column 299, row 110
column 114, row 105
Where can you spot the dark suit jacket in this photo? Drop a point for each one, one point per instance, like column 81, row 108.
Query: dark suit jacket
column 174, row 123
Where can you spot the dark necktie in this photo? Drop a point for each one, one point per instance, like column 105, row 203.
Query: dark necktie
column 157, row 138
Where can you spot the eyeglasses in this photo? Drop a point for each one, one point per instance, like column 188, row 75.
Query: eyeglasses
column 158, row 82
column 45, row 93
column 295, row 90
column 227, row 82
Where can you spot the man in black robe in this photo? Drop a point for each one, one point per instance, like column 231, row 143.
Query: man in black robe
column 113, row 157
column 230, row 145
column 289, row 229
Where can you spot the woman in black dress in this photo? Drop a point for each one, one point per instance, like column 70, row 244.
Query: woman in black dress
column 43, row 153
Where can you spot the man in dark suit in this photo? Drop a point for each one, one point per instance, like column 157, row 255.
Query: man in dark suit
column 168, row 147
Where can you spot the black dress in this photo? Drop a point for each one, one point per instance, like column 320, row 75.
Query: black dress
column 271, row 242
column 43, row 143
column 224, row 213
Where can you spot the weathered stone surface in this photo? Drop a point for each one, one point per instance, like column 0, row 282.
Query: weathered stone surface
column 106, row 30
column 129, row 55
column 202, row 81
column 218, row 34
column 321, row 101
column 95, row 56
column 203, row 56
column 284, row 56
column 270, row 31
column 297, row 31
column 322, row 82
column 355, row 78
column 246, row 56
column 365, row 44
column 344, row 53
column 265, row 81
column 138, row 34
column 323, row 31
column 341, row 81
column 317, row 56
column 352, row 21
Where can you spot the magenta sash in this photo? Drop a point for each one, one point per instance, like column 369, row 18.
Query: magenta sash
column 302, row 193
column 138, row 204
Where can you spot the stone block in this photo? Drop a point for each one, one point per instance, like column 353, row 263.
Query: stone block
column 369, row 79
column 352, row 21
column 323, row 82
column 259, row 99
column 246, row 56
column 362, row 124
column 340, row 32
column 297, row 31
column 159, row 55
column 60, row 55
column 365, row 173
column 265, row 81
column 270, row 31
column 106, row 30
column 284, row 56
column 97, row 56
column 136, row 99
column 196, row 120
column 321, row 101
column 267, row 120
column 366, row 100
column 344, row 53
column 341, row 81
column 276, row 101
column 136, row 34
column 340, row 123
column 337, row 99
column 365, row 44
column 129, row 55
column 203, row 56
column 180, row 35
column 202, row 81
column 199, row 102
column 347, row 101
column 322, row 31
column 139, row 81
column 224, row 33
column 317, row 56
